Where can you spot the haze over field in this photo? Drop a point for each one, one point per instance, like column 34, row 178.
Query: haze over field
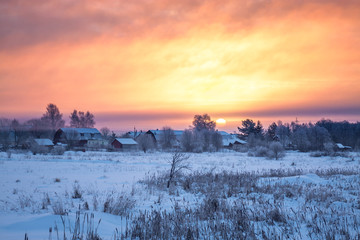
column 156, row 63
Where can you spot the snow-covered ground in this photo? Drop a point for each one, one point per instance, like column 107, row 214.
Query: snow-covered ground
column 32, row 186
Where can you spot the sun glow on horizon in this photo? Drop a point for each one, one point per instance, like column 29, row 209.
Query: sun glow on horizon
column 221, row 122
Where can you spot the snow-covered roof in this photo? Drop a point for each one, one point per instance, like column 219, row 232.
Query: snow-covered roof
column 126, row 141
column 135, row 134
column 340, row 146
column 157, row 133
column 224, row 134
column 232, row 139
column 44, row 142
column 82, row 133
column 82, row 130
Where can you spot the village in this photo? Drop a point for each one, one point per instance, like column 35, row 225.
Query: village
column 85, row 139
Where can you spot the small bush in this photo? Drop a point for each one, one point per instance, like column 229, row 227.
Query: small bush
column 45, row 201
column 120, row 205
column 261, row 152
column 58, row 208
column 276, row 150
column 26, row 201
column 77, row 191
column 274, row 215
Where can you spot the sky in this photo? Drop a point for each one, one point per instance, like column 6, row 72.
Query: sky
column 154, row 63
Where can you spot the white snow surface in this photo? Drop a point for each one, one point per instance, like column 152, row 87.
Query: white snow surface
column 26, row 180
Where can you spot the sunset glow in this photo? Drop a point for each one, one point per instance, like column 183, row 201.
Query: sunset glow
column 157, row 63
column 221, row 121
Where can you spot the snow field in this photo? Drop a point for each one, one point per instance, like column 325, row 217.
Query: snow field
column 292, row 197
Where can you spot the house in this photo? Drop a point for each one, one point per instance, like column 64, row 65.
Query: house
column 97, row 143
column 124, row 144
column 231, row 140
column 40, row 145
column 45, row 142
column 76, row 136
column 157, row 135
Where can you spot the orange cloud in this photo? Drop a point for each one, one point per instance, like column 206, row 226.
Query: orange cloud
column 180, row 57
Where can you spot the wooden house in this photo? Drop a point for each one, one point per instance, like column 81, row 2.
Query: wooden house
column 124, row 144
column 76, row 136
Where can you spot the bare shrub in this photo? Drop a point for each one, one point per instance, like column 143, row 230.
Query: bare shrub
column 281, row 173
column 337, row 171
column 276, row 150
column 187, row 141
column 183, row 222
column 119, row 205
column 82, row 229
column 58, row 208
column 77, row 191
column 45, row 201
column 145, row 142
column 167, row 138
column 261, row 152
column 95, row 203
column 323, row 194
column 26, row 201
column 177, row 164
column 275, row 215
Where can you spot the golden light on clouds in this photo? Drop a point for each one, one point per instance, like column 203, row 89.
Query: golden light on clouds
column 182, row 58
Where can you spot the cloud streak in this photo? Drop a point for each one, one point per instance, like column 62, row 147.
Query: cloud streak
column 23, row 23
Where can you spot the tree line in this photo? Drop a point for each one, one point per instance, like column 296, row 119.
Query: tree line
column 43, row 127
column 303, row 137
column 201, row 136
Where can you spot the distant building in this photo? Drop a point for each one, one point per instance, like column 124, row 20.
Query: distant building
column 124, row 144
column 39, row 145
column 231, row 140
column 97, row 143
column 76, row 136
column 157, row 134
column 43, row 142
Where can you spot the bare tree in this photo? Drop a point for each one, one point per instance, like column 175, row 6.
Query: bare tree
column 87, row 119
column 39, row 128
column 203, row 122
column 5, row 132
column 167, row 137
column 53, row 117
column 74, row 119
column 187, row 141
column 177, row 163
column 81, row 119
column 217, row 140
column 20, row 134
column 145, row 142
column 105, row 132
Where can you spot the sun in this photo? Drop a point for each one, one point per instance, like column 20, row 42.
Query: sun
column 221, row 121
